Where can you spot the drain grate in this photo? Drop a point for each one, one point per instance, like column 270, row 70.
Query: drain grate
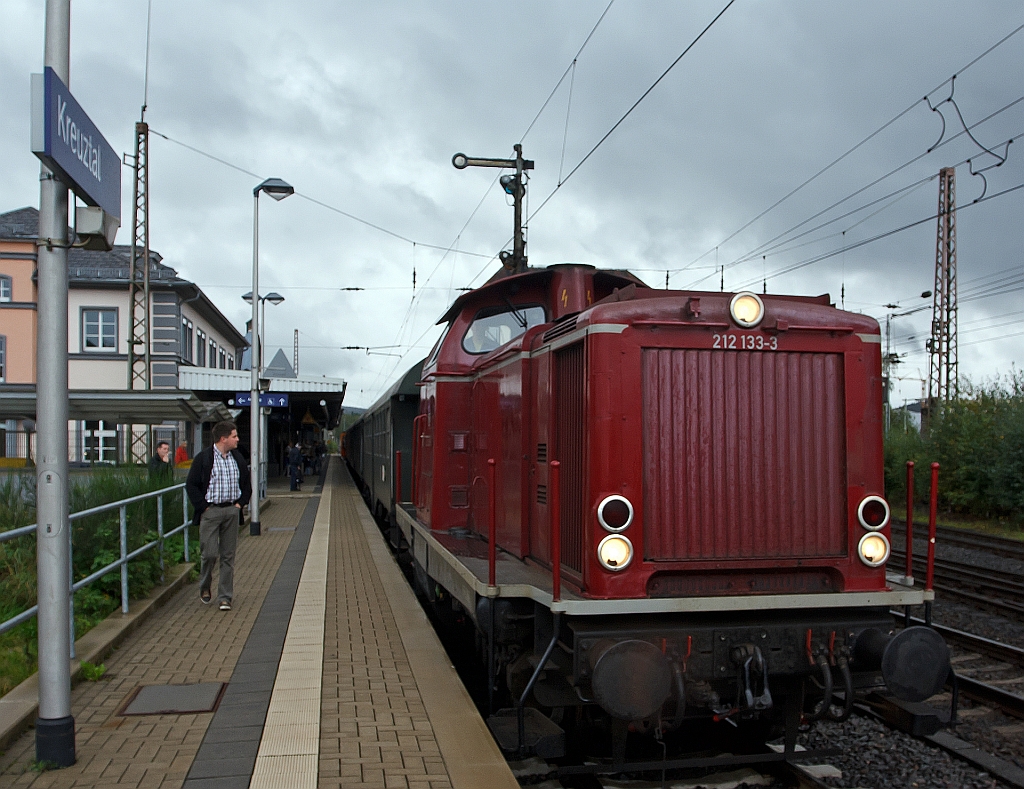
column 173, row 699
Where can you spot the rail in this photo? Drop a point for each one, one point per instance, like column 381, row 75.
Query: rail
column 125, row 557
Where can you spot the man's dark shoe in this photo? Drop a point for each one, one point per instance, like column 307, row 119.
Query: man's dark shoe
column 205, row 596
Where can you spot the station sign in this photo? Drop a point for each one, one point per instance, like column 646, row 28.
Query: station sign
column 68, row 142
column 244, row 399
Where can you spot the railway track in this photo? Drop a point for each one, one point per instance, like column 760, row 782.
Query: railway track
column 997, row 590
column 963, row 538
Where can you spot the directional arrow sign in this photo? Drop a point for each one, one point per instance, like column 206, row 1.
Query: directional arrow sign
column 243, row 399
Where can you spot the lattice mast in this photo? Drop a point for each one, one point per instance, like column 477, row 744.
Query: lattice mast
column 942, row 347
column 295, row 354
column 139, row 370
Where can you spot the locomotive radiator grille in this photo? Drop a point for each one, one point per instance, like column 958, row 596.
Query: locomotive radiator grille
column 744, row 455
column 569, row 449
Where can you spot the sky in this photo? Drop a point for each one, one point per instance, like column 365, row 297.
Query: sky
column 780, row 152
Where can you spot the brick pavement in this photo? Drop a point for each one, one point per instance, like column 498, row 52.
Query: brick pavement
column 374, row 729
column 184, row 642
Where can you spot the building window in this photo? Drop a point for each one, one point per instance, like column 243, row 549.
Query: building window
column 99, row 443
column 186, row 339
column 231, row 363
column 99, row 330
column 213, row 354
column 3, row 358
column 222, row 359
column 200, row 348
column 5, row 288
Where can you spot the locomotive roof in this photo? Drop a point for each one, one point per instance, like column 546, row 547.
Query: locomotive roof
column 502, row 280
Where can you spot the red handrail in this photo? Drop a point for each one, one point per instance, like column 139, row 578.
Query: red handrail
column 556, row 533
column 492, row 525
column 910, row 519
column 933, row 509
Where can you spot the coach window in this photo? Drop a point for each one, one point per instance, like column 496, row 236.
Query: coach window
column 5, row 288
column 99, row 330
column 496, row 326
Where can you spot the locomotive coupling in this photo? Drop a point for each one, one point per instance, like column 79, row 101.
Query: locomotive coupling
column 631, row 679
column 914, row 662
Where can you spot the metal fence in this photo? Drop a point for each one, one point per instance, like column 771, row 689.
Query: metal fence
column 126, row 555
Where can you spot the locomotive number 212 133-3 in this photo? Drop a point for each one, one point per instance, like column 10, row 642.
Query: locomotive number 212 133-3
column 745, row 342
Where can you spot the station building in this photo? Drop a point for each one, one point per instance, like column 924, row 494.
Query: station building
column 196, row 360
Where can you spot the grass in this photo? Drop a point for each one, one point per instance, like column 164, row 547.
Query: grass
column 96, row 544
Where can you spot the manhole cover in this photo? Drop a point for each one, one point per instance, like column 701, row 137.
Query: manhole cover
column 174, row 699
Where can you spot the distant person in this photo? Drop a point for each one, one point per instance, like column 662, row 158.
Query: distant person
column 180, row 454
column 294, row 464
column 218, row 487
column 160, row 464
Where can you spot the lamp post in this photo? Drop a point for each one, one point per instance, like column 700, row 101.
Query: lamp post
column 273, row 298
column 278, row 190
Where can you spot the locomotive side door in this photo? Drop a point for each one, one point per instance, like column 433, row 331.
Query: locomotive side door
column 538, row 457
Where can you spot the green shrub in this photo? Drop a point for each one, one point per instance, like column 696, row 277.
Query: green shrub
column 96, row 543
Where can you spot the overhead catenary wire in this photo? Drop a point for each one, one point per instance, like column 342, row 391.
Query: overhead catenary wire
column 857, row 244
column 860, row 144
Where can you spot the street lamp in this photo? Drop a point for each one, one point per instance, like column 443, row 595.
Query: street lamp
column 278, row 190
column 273, row 298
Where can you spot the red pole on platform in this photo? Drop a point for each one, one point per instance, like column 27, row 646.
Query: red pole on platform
column 492, row 526
column 556, row 532
column 933, row 510
column 398, row 477
column 910, row 519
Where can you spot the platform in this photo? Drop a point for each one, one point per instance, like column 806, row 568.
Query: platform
column 333, row 675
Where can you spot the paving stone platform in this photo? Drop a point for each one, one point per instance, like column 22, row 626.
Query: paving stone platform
column 391, row 710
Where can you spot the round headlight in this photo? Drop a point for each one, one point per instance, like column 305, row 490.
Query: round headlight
column 873, row 549
column 615, row 513
column 746, row 309
column 615, row 552
column 873, row 513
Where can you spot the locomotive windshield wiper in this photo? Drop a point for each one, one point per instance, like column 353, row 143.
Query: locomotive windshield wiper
column 520, row 317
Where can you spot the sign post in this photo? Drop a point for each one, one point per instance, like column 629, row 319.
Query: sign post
column 73, row 155
column 55, row 726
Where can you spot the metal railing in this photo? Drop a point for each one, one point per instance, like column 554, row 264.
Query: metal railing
column 126, row 555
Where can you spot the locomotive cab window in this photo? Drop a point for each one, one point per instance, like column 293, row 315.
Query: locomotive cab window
column 495, row 326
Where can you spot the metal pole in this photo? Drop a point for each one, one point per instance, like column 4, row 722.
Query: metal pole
column 254, row 363
column 184, row 520
column 124, row 558
column 55, row 726
column 160, row 533
column 933, row 508
column 518, row 243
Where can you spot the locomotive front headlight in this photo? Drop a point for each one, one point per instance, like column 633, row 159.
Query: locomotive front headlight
column 615, row 513
column 746, row 309
column 615, row 552
column 873, row 549
column 873, row 513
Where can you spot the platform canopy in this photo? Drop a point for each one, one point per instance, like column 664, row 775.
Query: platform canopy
column 124, row 407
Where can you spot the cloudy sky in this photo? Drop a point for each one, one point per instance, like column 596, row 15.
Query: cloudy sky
column 361, row 105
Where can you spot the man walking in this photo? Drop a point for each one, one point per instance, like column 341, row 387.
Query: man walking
column 218, row 487
column 294, row 464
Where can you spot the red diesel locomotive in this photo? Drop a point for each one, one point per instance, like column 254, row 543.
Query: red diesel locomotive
column 656, row 506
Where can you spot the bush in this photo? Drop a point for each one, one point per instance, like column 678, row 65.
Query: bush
column 978, row 440
column 96, row 543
